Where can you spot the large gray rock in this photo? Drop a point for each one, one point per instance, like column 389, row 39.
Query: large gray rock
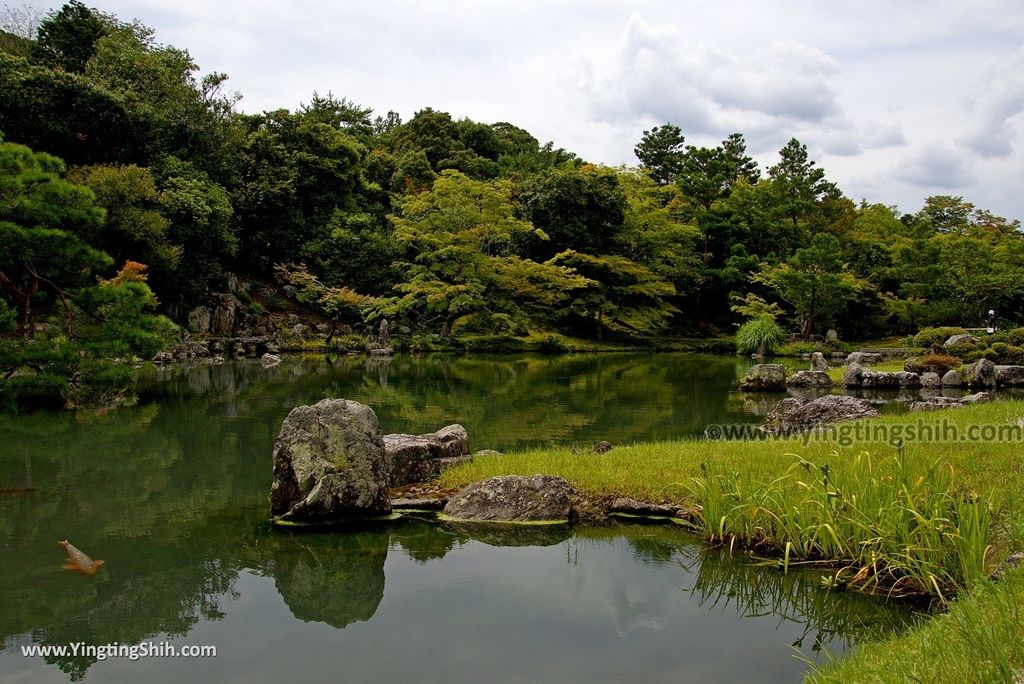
column 765, row 377
column 514, row 498
column 952, row 378
column 934, row 403
column 1009, row 376
column 418, row 458
column 955, row 340
column 329, row 464
column 818, row 363
column 223, row 321
column 852, row 376
column 980, row 374
column 199, row 320
column 809, row 379
column 863, row 358
column 792, row 414
column 931, row 380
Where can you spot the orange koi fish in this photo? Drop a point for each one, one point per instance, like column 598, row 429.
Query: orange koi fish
column 79, row 561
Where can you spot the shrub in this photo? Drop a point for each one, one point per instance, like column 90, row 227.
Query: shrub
column 930, row 337
column 1015, row 337
column 257, row 309
column 966, row 349
column 761, row 335
column 940, row 363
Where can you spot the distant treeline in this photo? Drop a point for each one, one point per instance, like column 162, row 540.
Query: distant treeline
column 446, row 226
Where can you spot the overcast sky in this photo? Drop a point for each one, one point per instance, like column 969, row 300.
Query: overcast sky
column 896, row 100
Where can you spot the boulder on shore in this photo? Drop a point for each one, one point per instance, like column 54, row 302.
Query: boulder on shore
column 809, row 378
column 863, row 358
column 952, row 379
column 793, row 414
column 931, row 380
column 1009, row 376
column 980, row 375
column 818, row 364
column 514, row 498
column 934, row 403
column 765, row 377
column 329, row 464
column 417, row 458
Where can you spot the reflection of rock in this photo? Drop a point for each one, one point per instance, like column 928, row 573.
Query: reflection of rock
column 329, row 463
column 269, row 360
column 798, row 414
column 335, row 579
column 514, row 498
column 417, row 458
column 425, row 540
column 765, row 377
column 497, row 534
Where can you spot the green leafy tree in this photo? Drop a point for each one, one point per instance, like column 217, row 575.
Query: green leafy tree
column 461, row 233
column 622, row 297
column 42, row 218
column 582, row 208
column 661, row 152
column 799, row 184
column 67, row 38
column 814, row 282
column 708, row 174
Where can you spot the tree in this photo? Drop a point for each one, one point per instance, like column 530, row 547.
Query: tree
column 621, row 297
column 577, row 208
column 708, row 174
column 660, row 151
column 41, row 220
column 68, row 37
column 461, row 232
column 798, row 183
column 813, row 281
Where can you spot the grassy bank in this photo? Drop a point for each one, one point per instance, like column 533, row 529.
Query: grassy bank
column 933, row 516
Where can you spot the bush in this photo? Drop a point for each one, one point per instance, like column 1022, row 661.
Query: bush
column 940, row 363
column 930, row 337
column 759, row 335
column 966, row 349
column 1015, row 337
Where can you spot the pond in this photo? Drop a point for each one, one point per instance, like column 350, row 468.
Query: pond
column 172, row 494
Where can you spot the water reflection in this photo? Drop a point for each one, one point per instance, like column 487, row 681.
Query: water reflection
column 172, row 494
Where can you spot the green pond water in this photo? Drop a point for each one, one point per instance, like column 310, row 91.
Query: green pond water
column 172, row 494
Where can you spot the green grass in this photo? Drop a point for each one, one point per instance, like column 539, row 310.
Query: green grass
column 932, row 516
column 980, row 639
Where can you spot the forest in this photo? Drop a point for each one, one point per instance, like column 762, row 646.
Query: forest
column 131, row 185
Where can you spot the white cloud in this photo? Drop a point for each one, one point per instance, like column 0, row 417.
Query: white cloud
column 936, row 166
column 653, row 74
column 998, row 98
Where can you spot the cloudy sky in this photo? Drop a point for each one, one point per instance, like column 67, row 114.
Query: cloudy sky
column 897, row 101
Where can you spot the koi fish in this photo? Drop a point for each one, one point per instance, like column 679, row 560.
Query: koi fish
column 78, row 560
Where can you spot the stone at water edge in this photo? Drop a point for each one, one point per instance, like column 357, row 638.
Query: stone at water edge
column 1009, row 376
column 931, row 380
column 329, row 464
column 800, row 414
column 980, row 374
column 765, row 377
column 952, row 379
column 514, row 498
column 818, row 364
column 602, row 447
column 809, row 379
column 863, row 358
column 852, row 376
column 417, row 458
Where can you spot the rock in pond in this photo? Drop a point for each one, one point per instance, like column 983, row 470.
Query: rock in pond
column 809, row 378
column 980, row 374
column 270, row 360
column 329, row 464
column 514, row 498
column 792, row 414
column 931, row 380
column 417, row 458
column 952, row 379
column 935, row 403
column 765, row 377
column 1009, row 376
column 633, row 507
